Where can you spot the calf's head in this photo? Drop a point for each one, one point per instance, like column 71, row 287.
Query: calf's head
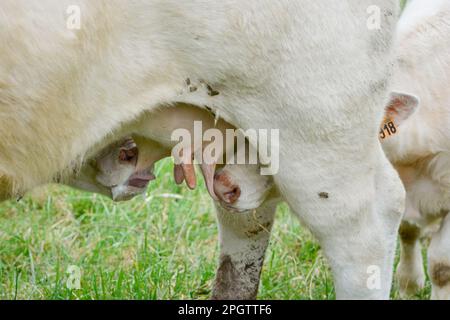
column 114, row 172
column 399, row 109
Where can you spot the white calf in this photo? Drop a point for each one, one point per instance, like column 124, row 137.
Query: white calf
column 420, row 151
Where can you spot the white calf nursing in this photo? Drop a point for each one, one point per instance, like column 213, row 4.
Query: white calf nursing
column 420, row 151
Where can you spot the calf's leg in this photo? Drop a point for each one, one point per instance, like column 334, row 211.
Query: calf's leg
column 410, row 274
column 439, row 262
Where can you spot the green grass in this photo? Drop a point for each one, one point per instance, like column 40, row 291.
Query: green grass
column 403, row 3
column 159, row 246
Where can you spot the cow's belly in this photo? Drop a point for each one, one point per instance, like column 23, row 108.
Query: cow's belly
column 305, row 71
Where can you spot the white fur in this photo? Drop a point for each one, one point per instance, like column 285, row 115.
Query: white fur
column 421, row 149
column 309, row 68
column 416, row 11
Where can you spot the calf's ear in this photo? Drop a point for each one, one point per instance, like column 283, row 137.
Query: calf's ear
column 401, row 106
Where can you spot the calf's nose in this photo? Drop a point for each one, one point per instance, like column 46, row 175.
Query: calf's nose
column 225, row 189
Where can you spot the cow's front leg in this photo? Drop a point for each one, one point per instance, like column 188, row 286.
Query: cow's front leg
column 336, row 201
column 244, row 238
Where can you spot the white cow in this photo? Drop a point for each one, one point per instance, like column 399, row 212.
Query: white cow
column 421, row 149
column 317, row 71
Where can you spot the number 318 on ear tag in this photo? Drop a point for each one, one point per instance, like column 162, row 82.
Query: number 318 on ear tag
column 388, row 129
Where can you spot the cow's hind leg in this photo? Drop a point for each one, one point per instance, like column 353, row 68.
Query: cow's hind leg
column 244, row 238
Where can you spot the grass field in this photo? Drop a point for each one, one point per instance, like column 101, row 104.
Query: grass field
column 159, row 246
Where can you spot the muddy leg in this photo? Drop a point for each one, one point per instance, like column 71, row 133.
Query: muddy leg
column 410, row 272
column 244, row 238
column 439, row 262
